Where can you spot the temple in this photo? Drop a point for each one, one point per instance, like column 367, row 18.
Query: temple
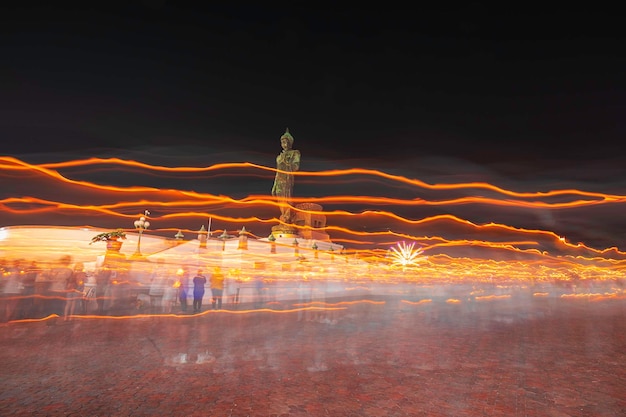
column 293, row 250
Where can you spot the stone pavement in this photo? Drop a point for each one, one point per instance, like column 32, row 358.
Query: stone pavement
column 539, row 357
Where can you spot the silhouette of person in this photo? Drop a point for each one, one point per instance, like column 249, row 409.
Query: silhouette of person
column 199, row 282
column 217, row 288
column 287, row 161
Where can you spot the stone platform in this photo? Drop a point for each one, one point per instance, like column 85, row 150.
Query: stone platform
column 385, row 357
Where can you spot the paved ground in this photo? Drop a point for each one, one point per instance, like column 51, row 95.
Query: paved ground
column 530, row 357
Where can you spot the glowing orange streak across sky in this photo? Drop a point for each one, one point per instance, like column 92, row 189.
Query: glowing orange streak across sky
column 467, row 242
column 56, row 175
column 466, row 200
column 467, row 222
column 249, row 201
column 455, row 201
column 482, row 243
column 46, row 168
column 214, row 200
column 107, row 209
column 596, row 259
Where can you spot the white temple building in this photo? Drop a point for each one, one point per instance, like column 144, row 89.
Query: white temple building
column 280, row 262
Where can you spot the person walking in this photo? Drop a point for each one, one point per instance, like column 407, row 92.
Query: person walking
column 217, row 288
column 60, row 276
column 305, row 295
column 158, row 283
column 199, row 282
column 12, row 291
column 29, row 282
column 103, row 278
column 74, row 290
column 183, row 281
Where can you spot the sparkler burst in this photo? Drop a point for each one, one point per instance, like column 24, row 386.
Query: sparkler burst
column 406, row 254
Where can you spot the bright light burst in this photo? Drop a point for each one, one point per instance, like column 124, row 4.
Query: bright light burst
column 406, row 255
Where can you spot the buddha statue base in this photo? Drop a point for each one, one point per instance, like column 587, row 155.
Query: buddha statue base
column 284, row 230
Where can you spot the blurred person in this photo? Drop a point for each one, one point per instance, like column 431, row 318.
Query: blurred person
column 59, row 277
column 259, row 288
column 157, row 287
column 12, row 291
column 42, row 289
column 199, row 282
column 28, row 281
column 236, row 291
column 183, row 287
column 323, row 315
column 170, row 292
column 103, row 279
column 270, row 289
column 217, row 288
column 74, row 290
column 305, row 292
column 89, row 291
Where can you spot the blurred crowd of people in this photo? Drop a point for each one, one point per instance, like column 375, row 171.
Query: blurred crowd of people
column 30, row 289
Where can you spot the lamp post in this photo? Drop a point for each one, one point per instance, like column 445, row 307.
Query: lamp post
column 141, row 225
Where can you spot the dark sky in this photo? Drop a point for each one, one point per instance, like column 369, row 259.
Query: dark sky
column 529, row 98
column 487, row 84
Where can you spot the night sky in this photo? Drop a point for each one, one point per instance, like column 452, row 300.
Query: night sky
column 526, row 97
column 487, row 84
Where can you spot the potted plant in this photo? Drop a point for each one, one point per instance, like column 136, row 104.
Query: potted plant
column 111, row 238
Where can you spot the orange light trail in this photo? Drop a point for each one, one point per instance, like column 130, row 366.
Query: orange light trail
column 495, row 232
column 420, row 302
column 181, row 316
column 109, row 210
column 50, row 169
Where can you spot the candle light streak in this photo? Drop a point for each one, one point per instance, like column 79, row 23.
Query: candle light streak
column 456, row 246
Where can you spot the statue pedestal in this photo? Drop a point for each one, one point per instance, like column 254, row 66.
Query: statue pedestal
column 283, row 230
